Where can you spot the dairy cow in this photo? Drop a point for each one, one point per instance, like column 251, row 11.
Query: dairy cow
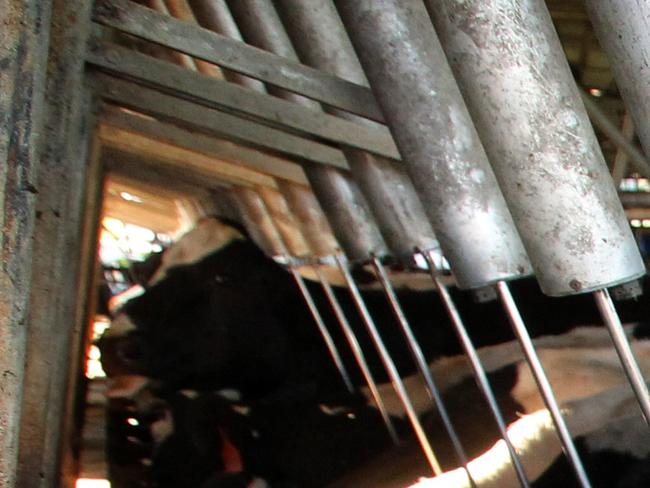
column 234, row 319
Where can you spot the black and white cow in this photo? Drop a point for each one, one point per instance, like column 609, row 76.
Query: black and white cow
column 234, row 319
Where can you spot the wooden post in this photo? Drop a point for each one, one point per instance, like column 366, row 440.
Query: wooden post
column 83, row 312
column 23, row 55
column 56, row 250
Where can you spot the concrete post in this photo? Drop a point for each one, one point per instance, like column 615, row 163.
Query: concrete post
column 23, row 55
column 55, row 261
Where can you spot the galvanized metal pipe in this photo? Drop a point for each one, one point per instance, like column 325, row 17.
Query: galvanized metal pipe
column 422, row 366
column 284, row 221
column 345, row 206
column 215, row 15
column 313, row 223
column 258, row 221
column 543, row 384
column 347, row 212
column 393, row 374
column 624, row 351
column 442, row 153
column 527, row 109
column 387, row 189
column 357, row 352
column 477, row 368
column 394, row 203
column 623, row 31
column 562, row 198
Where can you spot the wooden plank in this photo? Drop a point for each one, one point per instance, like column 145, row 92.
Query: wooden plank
column 24, row 40
column 163, row 219
column 231, row 127
column 168, row 190
column 211, row 146
column 224, row 95
column 237, row 56
column 184, row 159
column 148, row 169
column 85, row 299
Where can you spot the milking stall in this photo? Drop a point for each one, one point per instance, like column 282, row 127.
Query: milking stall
column 324, row 243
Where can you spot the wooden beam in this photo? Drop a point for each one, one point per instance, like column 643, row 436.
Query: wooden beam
column 146, row 188
column 207, row 45
column 185, row 159
column 219, row 94
column 147, row 169
column 209, row 145
column 160, row 105
column 160, row 219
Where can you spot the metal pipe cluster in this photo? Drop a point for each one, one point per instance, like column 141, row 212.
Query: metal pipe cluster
column 498, row 159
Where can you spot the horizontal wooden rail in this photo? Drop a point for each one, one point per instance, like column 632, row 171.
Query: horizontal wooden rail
column 270, row 110
column 204, row 44
column 167, row 107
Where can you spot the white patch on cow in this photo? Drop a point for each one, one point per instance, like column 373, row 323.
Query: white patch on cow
column 449, row 371
column 536, row 442
column 576, row 373
column 120, row 326
column 207, row 236
column 162, row 428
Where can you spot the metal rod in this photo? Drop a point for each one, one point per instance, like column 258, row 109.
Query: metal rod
column 543, row 384
column 624, row 351
column 421, row 363
column 389, row 365
column 475, row 362
column 329, row 342
column 358, row 353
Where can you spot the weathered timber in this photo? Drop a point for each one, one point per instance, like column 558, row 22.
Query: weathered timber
column 237, row 56
column 185, row 160
column 219, row 148
column 224, row 95
column 229, row 126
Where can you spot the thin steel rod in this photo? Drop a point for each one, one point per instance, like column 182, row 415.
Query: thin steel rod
column 390, row 366
column 475, row 362
column 421, row 363
column 543, row 384
column 329, row 342
column 624, row 351
column 358, row 353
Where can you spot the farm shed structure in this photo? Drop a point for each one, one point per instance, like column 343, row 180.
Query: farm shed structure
column 185, row 101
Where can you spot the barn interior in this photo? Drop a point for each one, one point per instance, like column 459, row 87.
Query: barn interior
column 487, row 157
